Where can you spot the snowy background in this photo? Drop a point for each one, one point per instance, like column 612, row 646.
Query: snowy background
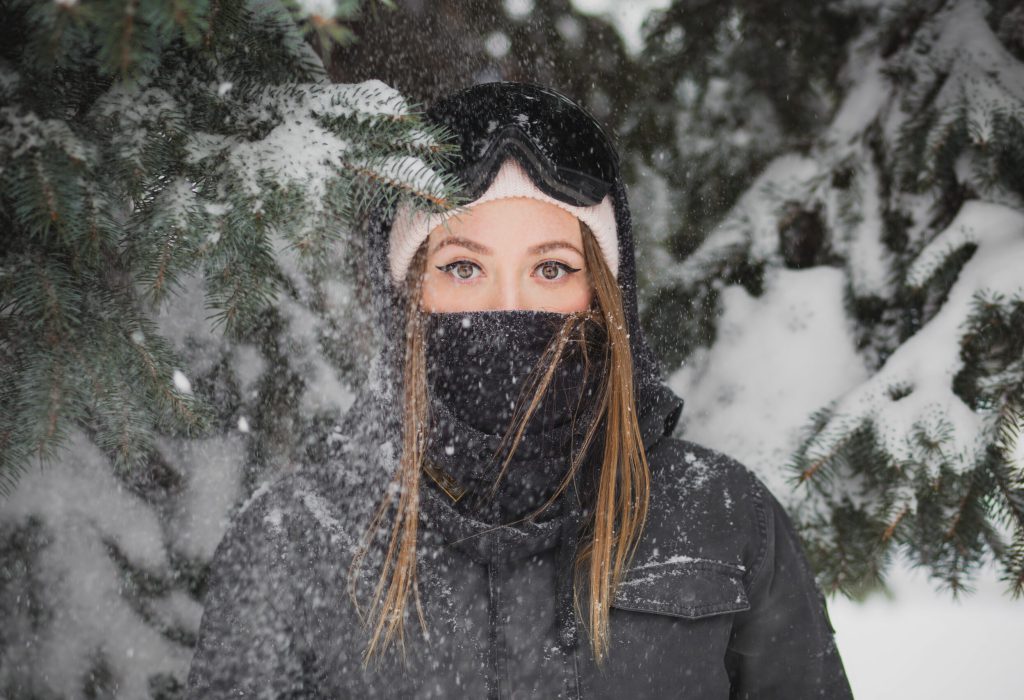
column 777, row 360
column 102, row 568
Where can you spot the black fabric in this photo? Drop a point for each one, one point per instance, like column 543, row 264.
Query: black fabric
column 477, row 367
column 479, row 370
column 478, row 363
column 718, row 602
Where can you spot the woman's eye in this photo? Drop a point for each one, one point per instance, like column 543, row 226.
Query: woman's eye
column 552, row 270
column 460, row 269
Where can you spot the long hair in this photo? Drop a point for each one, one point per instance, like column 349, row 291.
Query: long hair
column 613, row 529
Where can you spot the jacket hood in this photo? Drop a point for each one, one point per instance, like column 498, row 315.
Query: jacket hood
column 372, row 429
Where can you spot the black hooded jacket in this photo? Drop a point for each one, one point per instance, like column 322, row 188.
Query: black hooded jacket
column 719, row 601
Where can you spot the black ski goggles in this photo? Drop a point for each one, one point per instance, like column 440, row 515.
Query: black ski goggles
column 561, row 146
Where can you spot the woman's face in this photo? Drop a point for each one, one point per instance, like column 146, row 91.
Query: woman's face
column 507, row 254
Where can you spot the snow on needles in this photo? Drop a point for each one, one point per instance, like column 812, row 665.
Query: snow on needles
column 915, row 386
column 982, row 75
column 302, row 151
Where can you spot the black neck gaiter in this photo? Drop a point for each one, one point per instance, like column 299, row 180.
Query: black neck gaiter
column 477, row 365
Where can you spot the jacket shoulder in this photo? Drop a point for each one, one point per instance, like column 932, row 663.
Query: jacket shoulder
column 695, row 468
column 291, row 518
column 707, row 505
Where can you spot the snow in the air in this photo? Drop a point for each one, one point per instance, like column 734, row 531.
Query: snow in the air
column 777, row 357
column 181, row 382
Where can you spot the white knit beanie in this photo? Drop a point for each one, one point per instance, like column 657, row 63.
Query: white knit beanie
column 411, row 226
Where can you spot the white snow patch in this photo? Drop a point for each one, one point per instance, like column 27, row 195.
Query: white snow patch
column 627, row 17
column 213, row 470
column 82, row 506
column 922, row 645
column 317, row 8
column 518, row 9
column 249, row 366
column 928, row 361
column 752, row 222
column 273, row 520
column 178, row 322
column 861, row 104
column 181, row 382
column 323, row 390
column 776, row 360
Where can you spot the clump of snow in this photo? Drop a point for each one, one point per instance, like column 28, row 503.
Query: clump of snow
column 82, row 506
column 181, row 382
column 212, row 468
column 301, row 151
column 408, row 173
column 752, row 222
column 317, row 8
column 868, row 259
column 497, row 44
column 177, row 204
column 978, row 72
column 248, row 365
column 926, row 363
column 1015, row 450
column 301, row 339
column 518, row 9
column 627, row 17
column 776, row 360
column 570, row 29
column 137, row 115
column 945, row 650
column 178, row 323
column 21, row 132
column 273, row 520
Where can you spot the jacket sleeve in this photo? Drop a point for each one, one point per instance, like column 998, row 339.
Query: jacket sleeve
column 248, row 642
column 784, row 645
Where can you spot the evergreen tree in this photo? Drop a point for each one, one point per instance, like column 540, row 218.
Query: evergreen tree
column 180, row 296
column 180, row 194
column 874, row 158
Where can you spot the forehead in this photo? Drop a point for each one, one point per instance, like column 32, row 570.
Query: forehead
column 513, row 221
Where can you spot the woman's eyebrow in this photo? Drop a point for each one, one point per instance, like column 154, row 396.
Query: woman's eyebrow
column 465, row 243
column 542, row 248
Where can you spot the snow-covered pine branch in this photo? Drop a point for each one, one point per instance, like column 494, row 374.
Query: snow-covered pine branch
column 180, row 199
column 884, row 249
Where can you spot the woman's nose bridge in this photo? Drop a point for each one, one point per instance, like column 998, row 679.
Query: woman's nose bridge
column 508, row 292
column 511, row 292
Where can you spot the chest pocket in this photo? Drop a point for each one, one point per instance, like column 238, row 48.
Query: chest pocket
column 690, row 589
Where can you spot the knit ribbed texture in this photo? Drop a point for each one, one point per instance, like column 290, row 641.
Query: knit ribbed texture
column 411, row 226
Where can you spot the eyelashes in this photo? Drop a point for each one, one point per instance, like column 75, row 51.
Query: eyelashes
column 561, row 270
column 466, row 270
column 454, row 269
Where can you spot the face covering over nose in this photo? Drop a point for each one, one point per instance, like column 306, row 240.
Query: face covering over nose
column 477, row 365
column 479, row 362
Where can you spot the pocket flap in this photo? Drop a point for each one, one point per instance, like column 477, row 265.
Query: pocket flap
column 690, row 589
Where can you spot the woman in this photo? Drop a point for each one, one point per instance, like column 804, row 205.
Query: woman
column 505, row 513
